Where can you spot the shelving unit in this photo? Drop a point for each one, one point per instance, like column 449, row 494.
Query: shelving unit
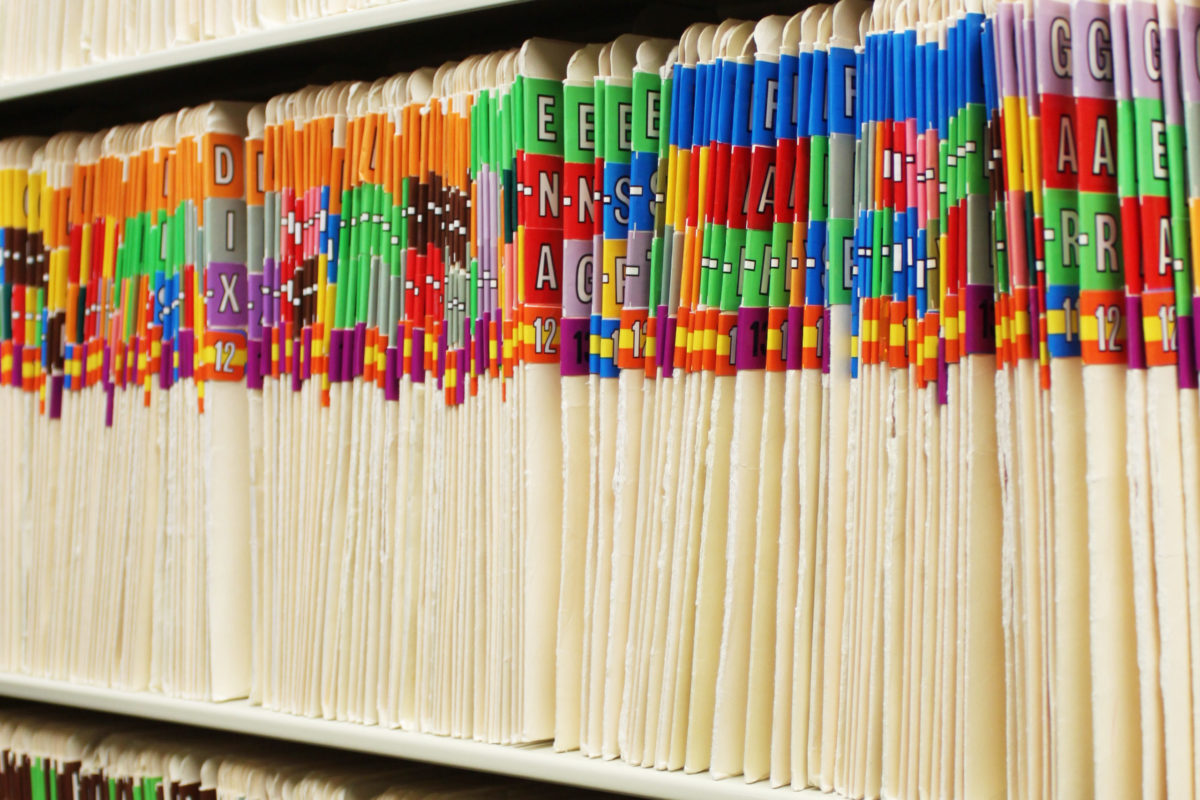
column 254, row 66
column 536, row 762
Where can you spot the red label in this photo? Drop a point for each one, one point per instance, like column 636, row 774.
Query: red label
column 897, row 354
column 1131, row 244
column 1157, row 253
column 812, row 348
column 1102, row 327
column 1060, row 144
column 631, row 352
column 225, row 355
column 541, row 334
column 725, row 354
column 740, row 200
column 1097, row 156
column 930, row 367
column 543, row 266
column 579, row 212
column 651, row 361
column 1159, row 329
column 777, row 339
column 760, row 201
column 543, row 191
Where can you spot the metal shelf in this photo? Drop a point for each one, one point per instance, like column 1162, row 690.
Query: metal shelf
column 536, row 762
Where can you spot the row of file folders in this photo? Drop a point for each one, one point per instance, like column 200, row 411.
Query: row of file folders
column 65, row 754
column 810, row 399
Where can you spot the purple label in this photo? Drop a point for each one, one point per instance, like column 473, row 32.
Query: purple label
column 391, row 374
column 441, row 358
column 1172, row 99
column 1053, row 53
column 1186, row 336
column 1120, row 50
column 106, row 367
column 1135, row 344
column 226, row 295
column 574, row 345
column 577, row 277
column 307, row 360
column 418, row 355
column 335, row 356
column 667, row 348
column 1195, row 337
column 795, row 338
column 482, row 336
column 979, row 333
column 267, row 293
column 1189, row 58
column 1092, row 57
column 360, row 348
column 254, row 372
column 256, row 306
column 943, row 395
column 1027, row 50
column 297, row 367
column 1143, row 24
column 109, row 395
column 56, row 393
column 1006, row 61
column 660, row 335
column 751, row 338
column 166, row 357
column 825, row 352
column 187, row 353
column 637, row 269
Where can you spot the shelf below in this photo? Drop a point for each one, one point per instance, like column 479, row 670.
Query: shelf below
column 536, row 762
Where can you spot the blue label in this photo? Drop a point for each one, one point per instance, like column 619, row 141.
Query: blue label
column 616, row 200
column 608, row 364
column 803, row 95
column 817, row 112
column 641, row 190
column 740, row 121
column 814, row 267
column 787, row 116
column 766, row 103
column 1064, row 344
column 842, row 90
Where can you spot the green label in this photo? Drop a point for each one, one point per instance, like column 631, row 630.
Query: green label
column 543, row 123
column 579, row 124
column 1100, row 234
column 779, row 293
column 840, row 275
column 618, row 127
column 760, row 263
column 649, row 113
column 1062, row 232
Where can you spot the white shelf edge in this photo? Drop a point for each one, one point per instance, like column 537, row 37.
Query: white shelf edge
column 536, row 762
column 367, row 19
